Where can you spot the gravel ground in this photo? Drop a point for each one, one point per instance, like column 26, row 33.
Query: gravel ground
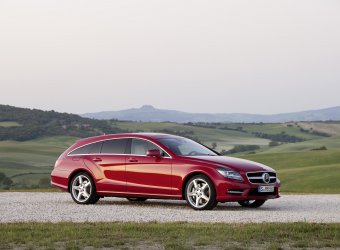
column 56, row 207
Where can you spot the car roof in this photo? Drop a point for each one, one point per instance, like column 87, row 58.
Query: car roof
column 145, row 135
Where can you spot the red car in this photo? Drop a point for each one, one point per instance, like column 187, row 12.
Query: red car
column 161, row 166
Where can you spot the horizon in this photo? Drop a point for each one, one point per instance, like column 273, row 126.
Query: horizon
column 154, row 107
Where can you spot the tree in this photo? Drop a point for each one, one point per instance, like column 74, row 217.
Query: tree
column 214, row 145
column 240, row 148
column 5, row 182
column 273, row 144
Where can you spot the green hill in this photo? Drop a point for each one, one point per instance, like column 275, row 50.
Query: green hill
column 306, row 171
column 23, row 124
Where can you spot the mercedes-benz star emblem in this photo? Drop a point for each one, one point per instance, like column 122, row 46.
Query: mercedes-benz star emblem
column 265, row 177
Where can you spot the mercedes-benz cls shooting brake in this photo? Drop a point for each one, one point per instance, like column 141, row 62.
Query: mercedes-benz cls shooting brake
column 160, row 166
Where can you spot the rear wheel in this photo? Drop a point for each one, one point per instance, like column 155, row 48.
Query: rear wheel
column 200, row 193
column 252, row 203
column 83, row 189
column 136, row 199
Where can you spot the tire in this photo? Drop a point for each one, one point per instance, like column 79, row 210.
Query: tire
column 136, row 199
column 200, row 193
column 252, row 203
column 83, row 189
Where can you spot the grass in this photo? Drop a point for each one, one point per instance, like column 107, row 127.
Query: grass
column 316, row 179
column 9, row 124
column 29, row 190
column 275, row 128
column 283, row 161
column 329, row 142
column 168, row 235
column 332, row 128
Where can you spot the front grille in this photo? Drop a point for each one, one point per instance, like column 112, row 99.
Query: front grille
column 256, row 177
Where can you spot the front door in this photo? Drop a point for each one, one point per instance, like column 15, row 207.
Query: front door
column 146, row 174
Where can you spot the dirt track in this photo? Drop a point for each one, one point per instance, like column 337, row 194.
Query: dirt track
column 56, row 207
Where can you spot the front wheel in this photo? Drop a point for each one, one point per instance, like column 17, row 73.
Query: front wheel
column 200, row 193
column 83, row 190
column 252, row 203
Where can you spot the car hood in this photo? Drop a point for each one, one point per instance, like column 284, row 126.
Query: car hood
column 236, row 164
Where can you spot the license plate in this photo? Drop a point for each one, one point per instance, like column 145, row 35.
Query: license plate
column 265, row 189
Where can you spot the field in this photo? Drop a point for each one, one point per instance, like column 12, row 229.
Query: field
column 302, row 168
column 29, row 163
column 304, row 172
column 225, row 139
column 9, row 124
column 168, row 236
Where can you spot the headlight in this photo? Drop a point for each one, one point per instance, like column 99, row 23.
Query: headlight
column 228, row 173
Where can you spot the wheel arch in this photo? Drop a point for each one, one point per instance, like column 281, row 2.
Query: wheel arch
column 74, row 173
column 192, row 174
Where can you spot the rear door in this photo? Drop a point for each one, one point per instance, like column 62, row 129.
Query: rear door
column 110, row 166
column 145, row 174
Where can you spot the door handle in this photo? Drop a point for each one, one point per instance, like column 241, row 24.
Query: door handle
column 97, row 159
column 132, row 160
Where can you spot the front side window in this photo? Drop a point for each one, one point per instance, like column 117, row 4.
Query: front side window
column 115, row 146
column 141, row 147
column 185, row 147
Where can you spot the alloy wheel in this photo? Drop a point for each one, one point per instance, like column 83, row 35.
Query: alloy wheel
column 81, row 188
column 198, row 193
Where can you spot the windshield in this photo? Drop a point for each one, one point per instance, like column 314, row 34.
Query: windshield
column 185, row 147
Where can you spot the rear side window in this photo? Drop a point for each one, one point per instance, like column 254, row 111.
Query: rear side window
column 96, row 147
column 93, row 148
column 116, row 146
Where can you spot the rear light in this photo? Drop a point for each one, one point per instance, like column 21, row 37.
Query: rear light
column 56, row 163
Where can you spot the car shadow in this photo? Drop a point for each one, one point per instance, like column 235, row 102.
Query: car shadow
column 148, row 203
column 227, row 206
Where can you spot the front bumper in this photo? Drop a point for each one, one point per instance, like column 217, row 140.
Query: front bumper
column 237, row 191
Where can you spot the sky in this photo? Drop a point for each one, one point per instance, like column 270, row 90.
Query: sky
column 214, row 56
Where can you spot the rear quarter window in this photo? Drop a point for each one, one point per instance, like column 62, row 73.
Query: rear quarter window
column 93, row 148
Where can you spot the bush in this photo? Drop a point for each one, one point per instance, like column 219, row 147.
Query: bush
column 240, row 148
column 273, row 144
column 282, row 137
column 5, row 182
column 321, row 148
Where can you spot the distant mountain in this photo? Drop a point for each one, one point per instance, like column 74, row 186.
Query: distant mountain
column 149, row 113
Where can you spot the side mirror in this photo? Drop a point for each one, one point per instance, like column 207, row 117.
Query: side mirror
column 153, row 153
